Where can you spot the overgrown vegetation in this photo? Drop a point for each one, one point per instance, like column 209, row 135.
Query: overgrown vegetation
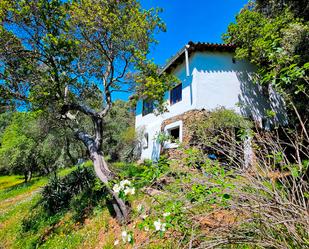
column 274, row 36
column 233, row 185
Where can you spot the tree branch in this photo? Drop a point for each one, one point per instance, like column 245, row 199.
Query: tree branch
column 79, row 107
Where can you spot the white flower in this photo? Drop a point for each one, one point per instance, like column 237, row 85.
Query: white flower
column 166, row 214
column 157, row 225
column 132, row 191
column 163, row 227
column 124, row 235
column 125, row 183
column 116, row 242
column 146, row 229
column 139, row 207
column 129, row 191
column 116, row 188
column 160, row 226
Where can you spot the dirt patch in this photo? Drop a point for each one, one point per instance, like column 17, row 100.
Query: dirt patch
column 113, row 233
column 218, row 219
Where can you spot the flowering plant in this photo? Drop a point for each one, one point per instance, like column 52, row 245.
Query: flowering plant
column 124, row 188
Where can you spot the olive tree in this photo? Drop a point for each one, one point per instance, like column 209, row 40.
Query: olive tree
column 67, row 59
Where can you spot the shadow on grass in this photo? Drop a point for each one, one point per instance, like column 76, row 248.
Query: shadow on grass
column 65, row 204
column 41, row 225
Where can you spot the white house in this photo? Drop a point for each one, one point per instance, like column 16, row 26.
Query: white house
column 210, row 78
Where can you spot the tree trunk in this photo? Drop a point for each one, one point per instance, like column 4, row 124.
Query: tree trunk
column 26, row 176
column 67, row 150
column 30, row 175
column 105, row 175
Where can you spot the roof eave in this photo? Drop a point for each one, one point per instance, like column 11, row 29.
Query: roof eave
column 193, row 47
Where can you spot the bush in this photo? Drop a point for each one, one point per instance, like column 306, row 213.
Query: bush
column 219, row 133
column 143, row 174
column 58, row 193
column 269, row 199
column 210, row 205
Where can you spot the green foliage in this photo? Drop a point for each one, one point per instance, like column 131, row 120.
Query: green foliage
column 218, row 133
column 219, row 190
column 59, row 192
column 119, row 136
column 152, row 84
column 31, row 143
column 19, row 147
column 276, row 40
column 5, row 120
column 153, row 171
column 225, row 118
column 143, row 174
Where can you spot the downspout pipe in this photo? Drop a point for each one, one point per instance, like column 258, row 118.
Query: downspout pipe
column 187, row 60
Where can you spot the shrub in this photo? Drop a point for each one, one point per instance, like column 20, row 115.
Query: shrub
column 143, row 174
column 219, row 133
column 58, row 193
column 214, row 206
column 270, row 198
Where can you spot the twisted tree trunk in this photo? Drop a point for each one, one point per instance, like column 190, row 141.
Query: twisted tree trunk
column 94, row 145
column 104, row 174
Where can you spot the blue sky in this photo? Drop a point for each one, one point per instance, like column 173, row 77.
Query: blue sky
column 190, row 20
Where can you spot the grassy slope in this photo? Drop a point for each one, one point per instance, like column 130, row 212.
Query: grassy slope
column 19, row 203
column 16, row 198
column 16, row 202
column 98, row 230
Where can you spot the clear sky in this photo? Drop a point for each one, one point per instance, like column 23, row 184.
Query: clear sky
column 190, row 20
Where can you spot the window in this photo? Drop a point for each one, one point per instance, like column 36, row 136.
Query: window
column 176, row 94
column 174, row 133
column 145, row 141
column 147, row 107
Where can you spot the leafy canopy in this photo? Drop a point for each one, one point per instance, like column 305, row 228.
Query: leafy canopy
column 274, row 36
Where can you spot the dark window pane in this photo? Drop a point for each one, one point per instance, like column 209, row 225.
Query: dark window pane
column 176, row 94
column 174, row 133
column 147, row 107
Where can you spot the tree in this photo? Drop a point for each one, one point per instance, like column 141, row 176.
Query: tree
column 271, row 8
column 274, row 36
column 118, row 137
column 5, row 120
column 67, row 58
column 18, row 151
column 31, row 145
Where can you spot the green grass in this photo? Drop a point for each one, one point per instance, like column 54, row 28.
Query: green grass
column 25, row 224
column 18, row 201
column 21, row 188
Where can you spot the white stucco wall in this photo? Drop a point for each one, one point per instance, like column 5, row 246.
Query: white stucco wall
column 214, row 81
column 151, row 123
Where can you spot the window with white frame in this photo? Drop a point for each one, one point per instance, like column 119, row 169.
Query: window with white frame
column 174, row 133
column 174, row 130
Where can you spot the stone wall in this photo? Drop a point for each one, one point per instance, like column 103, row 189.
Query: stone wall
column 187, row 118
